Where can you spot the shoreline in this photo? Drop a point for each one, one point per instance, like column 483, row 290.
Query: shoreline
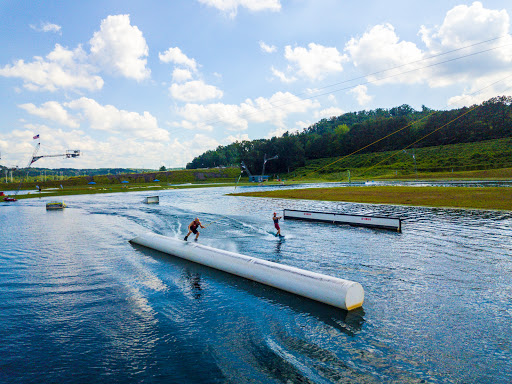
column 103, row 189
column 480, row 198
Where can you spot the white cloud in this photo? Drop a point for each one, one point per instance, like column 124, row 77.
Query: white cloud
column 361, row 94
column 278, row 132
column 117, row 48
column 380, row 49
column 110, row 119
column 315, row 62
column 198, row 116
column 185, row 151
column 267, row 48
column 466, row 24
column 230, row 7
column 19, row 145
column 47, row 27
column 62, row 69
column 183, row 87
column 52, row 110
column 195, row 90
column 193, row 126
column 282, row 76
column 113, row 151
column 238, row 137
column 480, row 90
column 329, row 112
column 120, row 48
column 273, row 110
column 303, row 124
column 180, row 75
column 175, row 56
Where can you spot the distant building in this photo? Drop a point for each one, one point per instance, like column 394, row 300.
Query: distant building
column 258, row 178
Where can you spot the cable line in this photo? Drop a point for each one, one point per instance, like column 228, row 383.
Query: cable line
column 437, row 129
column 273, row 106
column 408, row 125
column 215, row 121
column 278, row 106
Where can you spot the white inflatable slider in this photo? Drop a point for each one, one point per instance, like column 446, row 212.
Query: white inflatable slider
column 330, row 290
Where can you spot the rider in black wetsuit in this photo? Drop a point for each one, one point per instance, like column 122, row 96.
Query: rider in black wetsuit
column 192, row 228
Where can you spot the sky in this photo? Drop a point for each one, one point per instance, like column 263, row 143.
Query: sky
column 141, row 84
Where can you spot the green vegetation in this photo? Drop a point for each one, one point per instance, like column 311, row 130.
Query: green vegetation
column 476, row 144
column 34, row 174
column 485, row 159
column 376, row 134
column 455, row 197
column 223, row 175
column 115, row 188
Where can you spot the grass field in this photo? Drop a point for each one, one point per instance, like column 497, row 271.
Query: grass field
column 455, row 197
column 489, row 159
column 483, row 174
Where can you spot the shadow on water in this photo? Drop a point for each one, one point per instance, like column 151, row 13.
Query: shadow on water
column 347, row 322
column 194, row 280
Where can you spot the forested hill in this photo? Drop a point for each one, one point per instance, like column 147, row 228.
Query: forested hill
column 342, row 135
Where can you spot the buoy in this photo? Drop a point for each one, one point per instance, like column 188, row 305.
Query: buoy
column 330, row 290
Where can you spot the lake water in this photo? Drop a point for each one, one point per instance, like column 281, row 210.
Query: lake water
column 79, row 303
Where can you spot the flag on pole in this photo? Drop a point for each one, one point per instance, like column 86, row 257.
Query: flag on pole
column 36, row 137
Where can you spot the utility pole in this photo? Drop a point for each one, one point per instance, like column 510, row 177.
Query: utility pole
column 265, row 162
column 414, row 158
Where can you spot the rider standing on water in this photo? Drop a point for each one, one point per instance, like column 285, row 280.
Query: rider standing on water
column 276, row 223
column 192, row 228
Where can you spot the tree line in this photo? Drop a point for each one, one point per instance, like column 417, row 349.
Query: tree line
column 342, row 135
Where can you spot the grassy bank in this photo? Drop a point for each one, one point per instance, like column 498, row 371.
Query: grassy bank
column 454, row 197
column 490, row 159
column 216, row 175
column 484, row 174
column 151, row 189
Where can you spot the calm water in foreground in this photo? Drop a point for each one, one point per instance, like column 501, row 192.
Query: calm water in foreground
column 79, row 304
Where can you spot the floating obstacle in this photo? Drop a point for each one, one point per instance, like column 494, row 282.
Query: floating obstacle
column 391, row 223
column 152, row 200
column 55, row 205
column 330, row 290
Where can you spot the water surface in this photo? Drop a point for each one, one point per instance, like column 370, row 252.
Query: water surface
column 78, row 303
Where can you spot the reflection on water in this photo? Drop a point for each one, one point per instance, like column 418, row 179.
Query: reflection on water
column 194, row 281
column 78, row 303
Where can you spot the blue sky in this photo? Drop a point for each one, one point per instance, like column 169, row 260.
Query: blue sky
column 145, row 84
